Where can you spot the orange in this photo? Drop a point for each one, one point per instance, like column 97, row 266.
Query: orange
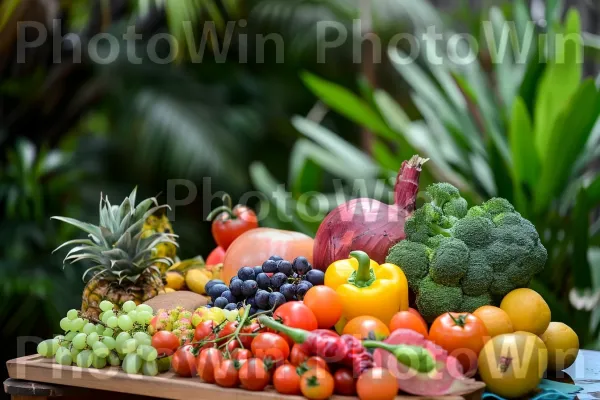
column 495, row 320
column 528, row 311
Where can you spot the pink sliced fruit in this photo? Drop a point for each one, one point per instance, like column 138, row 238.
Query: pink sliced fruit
column 445, row 379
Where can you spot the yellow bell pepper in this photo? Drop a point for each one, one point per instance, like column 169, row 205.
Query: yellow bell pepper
column 367, row 288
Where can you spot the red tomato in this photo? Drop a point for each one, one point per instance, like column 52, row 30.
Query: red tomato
column 408, row 320
column 230, row 224
column 204, row 330
column 227, row 330
column 184, row 361
column 316, row 384
column 416, row 314
column 246, row 339
column 208, row 362
column 377, row 384
column 316, row 362
column 327, row 316
column 270, row 346
column 296, row 315
column 216, row 256
column 462, row 335
column 344, row 382
column 254, row 375
column 363, row 327
column 286, row 380
column 226, row 374
column 241, row 354
column 298, row 355
column 165, row 342
column 232, row 345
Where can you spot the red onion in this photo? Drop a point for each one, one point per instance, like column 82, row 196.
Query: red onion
column 367, row 224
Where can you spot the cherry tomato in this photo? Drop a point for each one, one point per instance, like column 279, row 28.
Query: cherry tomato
column 246, row 339
column 204, row 330
column 316, row 384
column 254, row 375
column 270, row 346
column 241, row 354
column 229, row 224
column 362, row 327
column 184, row 361
column 217, row 256
column 408, row 320
column 416, row 314
column 286, row 380
column 313, row 363
column 227, row 330
column 165, row 342
column 208, row 361
column 296, row 315
column 319, row 295
column 376, row 384
column 298, row 355
column 232, row 345
column 462, row 335
column 344, row 382
column 226, row 374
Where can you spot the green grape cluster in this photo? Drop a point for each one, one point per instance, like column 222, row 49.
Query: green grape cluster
column 120, row 337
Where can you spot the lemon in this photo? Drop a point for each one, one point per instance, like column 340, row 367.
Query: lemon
column 495, row 320
column 513, row 364
column 527, row 311
column 563, row 345
column 174, row 280
column 196, row 280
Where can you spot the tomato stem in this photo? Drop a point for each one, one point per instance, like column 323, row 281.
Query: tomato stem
column 461, row 320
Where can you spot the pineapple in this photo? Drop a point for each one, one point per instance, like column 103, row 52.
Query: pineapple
column 125, row 257
column 160, row 224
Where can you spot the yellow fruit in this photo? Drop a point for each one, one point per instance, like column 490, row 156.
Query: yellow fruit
column 169, row 290
column 495, row 320
column 196, row 280
column 174, row 280
column 527, row 310
column 513, row 364
column 562, row 344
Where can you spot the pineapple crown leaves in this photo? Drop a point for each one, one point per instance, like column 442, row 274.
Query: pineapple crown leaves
column 118, row 245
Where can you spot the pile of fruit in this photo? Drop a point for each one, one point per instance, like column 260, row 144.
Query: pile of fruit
column 383, row 300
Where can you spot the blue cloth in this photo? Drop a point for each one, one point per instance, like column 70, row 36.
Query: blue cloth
column 550, row 390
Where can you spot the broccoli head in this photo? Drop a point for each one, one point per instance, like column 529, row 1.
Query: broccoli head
column 458, row 259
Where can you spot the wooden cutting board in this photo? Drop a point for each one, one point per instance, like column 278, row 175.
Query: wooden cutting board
column 168, row 385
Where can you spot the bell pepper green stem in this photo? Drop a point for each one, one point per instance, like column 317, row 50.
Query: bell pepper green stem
column 414, row 357
column 363, row 273
column 297, row 335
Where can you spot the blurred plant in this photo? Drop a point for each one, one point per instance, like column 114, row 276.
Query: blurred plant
column 34, row 183
column 526, row 131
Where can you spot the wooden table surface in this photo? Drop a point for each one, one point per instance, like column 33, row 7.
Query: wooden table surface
column 585, row 372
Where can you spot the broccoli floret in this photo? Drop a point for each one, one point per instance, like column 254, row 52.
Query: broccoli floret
column 474, row 231
column 434, row 299
column 448, row 198
column 460, row 259
column 412, row 258
column 479, row 274
column 470, row 304
column 449, row 262
column 497, row 206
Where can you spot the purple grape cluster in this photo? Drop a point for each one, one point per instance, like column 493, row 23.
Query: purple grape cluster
column 265, row 287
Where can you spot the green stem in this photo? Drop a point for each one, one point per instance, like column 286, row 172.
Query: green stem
column 414, row 357
column 222, row 209
column 363, row 273
column 297, row 335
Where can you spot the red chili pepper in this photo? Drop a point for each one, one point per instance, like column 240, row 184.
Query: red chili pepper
column 346, row 349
